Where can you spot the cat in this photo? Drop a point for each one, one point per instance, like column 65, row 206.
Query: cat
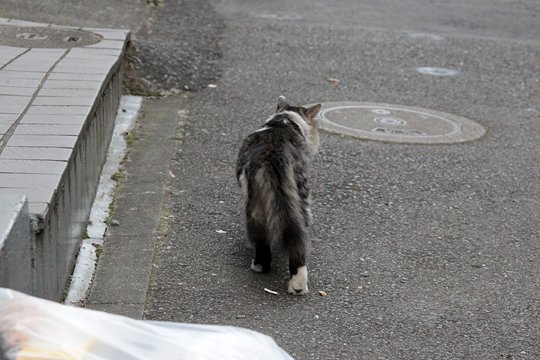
column 272, row 171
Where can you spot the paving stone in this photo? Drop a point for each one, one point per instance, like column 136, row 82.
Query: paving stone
column 76, row 76
column 28, row 66
column 34, row 58
column 42, row 140
column 8, row 118
column 68, row 92
column 37, row 75
column 11, row 52
column 90, row 56
column 10, row 99
column 107, row 44
column 108, row 34
column 46, row 59
column 62, row 100
column 47, row 50
column 84, row 66
column 66, row 84
column 26, row 23
column 58, row 110
column 35, row 153
column 67, row 27
column 42, row 56
column 102, row 62
column 99, row 30
column 4, row 128
column 32, row 166
column 10, row 82
column 42, row 195
column 13, row 104
column 13, row 90
column 25, row 181
column 53, row 119
column 40, row 129
column 93, row 52
column 77, row 69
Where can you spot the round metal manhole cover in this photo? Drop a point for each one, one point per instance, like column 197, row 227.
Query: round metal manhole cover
column 397, row 123
column 45, row 37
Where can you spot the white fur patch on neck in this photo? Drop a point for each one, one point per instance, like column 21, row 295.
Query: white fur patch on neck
column 298, row 120
column 302, row 124
column 305, row 129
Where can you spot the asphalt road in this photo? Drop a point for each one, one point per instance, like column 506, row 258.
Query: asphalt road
column 424, row 252
column 128, row 14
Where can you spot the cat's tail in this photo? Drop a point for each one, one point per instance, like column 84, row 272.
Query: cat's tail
column 277, row 216
column 285, row 221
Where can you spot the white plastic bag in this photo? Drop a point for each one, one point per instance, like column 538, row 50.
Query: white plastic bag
column 32, row 328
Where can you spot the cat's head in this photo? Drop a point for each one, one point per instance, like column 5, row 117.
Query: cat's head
column 309, row 122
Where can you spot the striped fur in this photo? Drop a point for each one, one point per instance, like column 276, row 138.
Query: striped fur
column 272, row 169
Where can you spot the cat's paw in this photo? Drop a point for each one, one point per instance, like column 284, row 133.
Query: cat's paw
column 257, row 268
column 298, row 283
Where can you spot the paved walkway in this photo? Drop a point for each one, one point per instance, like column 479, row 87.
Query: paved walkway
column 49, row 86
column 59, row 94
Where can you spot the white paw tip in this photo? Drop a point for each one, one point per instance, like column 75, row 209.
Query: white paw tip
column 298, row 282
column 257, row 268
column 298, row 292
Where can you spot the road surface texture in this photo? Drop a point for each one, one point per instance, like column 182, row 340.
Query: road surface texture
column 423, row 251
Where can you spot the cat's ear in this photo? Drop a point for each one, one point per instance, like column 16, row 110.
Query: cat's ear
column 312, row 111
column 281, row 104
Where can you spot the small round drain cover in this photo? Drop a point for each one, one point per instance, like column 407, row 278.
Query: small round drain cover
column 397, row 123
column 45, row 37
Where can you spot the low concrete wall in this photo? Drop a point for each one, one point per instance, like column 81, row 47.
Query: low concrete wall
column 38, row 251
column 15, row 243
column 58, row 239
column 54, row 143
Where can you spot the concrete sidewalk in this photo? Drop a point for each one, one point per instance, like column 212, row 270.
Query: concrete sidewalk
column 124, row 271
column 59, row 93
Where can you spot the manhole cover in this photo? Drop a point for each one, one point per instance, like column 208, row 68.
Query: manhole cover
column 397, row 123
column 45, row 37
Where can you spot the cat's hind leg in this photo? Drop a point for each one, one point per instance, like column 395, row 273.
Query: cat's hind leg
column 263, row 255
column 298, row 282
column 294, row 240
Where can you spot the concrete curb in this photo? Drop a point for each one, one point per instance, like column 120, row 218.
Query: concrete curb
column 97, row 228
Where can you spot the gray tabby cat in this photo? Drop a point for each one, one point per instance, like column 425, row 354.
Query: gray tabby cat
column 272, row 169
